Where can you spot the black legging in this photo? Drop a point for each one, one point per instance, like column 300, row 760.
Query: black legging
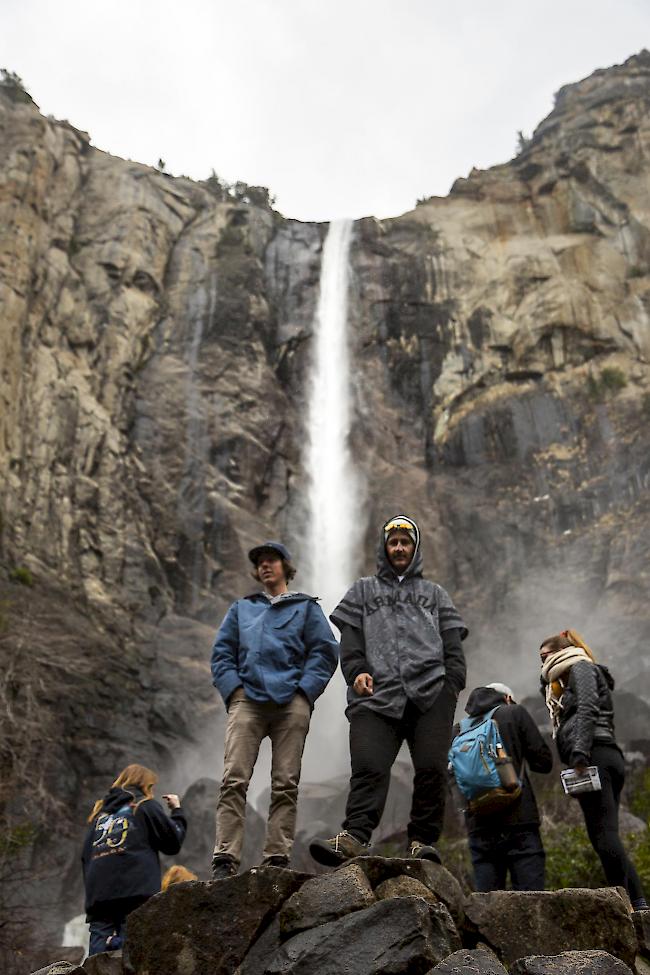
column 600, row 810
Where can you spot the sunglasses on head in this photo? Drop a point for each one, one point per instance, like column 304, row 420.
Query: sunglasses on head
column 406, row 526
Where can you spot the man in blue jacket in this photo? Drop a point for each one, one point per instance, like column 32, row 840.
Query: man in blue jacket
column 272, row 658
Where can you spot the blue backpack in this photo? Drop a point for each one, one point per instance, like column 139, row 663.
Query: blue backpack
column 483, row 771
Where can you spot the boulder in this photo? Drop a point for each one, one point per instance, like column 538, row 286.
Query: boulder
column 265, row 947
column 478, row 961
column 205, row 929
column 105, row 963
column 405, row 935
column 571, row 963
column 326, row 898
column 404, row 887
column 641, row 921
column 517, row 924
column 433, row 875
column 60, row 968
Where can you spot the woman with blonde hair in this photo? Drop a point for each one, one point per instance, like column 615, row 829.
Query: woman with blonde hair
column 128, row 829
column 578, row 694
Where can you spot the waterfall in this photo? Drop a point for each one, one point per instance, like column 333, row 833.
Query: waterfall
column 336, row 526
column 333, row 502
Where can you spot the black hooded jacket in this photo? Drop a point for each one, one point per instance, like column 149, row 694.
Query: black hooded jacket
column 404, row 631
column 587, row 713
column 120, row 852
column 523, row 743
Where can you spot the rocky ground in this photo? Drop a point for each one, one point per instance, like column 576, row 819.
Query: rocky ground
column 154, row 342
column 376, row 916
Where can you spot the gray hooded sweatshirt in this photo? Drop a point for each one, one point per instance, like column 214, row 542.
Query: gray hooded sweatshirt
column 402, row 625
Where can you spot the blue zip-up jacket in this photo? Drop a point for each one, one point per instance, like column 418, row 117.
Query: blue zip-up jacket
column 273, row 650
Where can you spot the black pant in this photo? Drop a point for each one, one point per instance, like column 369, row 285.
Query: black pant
column 600, row 810
column 517, row 849
column 375, row 741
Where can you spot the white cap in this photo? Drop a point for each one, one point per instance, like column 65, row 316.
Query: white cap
column 502, row 689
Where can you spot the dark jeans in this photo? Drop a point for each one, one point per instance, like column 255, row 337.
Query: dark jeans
column 375, row 741
column 518, row 850
column 101, row 931
column 600, row 810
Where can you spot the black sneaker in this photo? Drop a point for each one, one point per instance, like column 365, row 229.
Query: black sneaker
column 423, row 851
column 338, row 849
column 276, row 860
column 223, row 867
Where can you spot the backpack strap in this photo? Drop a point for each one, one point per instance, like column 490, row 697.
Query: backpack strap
column 467, row 724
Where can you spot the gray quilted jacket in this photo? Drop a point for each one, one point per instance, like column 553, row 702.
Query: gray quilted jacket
column 587, row 714
column 402, row 625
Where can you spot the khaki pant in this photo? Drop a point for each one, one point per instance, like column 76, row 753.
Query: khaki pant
column 249, row 722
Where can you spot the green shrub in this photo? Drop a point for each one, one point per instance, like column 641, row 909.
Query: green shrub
column 636, row 271
column 613, row 378
column 16, row 838
column 13, row 86
column 610, row 381
column 570, row 859
column 22, row 575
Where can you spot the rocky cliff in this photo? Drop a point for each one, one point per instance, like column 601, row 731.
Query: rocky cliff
column 154, row 344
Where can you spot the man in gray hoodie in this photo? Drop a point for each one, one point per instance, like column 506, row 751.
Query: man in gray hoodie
column 402, row 659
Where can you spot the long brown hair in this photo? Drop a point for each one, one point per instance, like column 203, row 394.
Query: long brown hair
column 567, row 638
column 138, row 776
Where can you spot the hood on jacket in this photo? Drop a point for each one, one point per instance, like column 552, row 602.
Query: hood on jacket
column 384, row 568
column 116, row 797
column 483, row 699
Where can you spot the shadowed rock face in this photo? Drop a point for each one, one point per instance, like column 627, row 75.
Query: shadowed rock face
column 153, row 353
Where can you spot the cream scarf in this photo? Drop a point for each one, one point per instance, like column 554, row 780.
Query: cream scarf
column 554, row 669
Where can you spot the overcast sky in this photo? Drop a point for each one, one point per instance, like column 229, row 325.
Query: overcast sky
column 340, row 107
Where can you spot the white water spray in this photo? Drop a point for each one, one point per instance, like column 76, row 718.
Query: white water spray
column 335, row 503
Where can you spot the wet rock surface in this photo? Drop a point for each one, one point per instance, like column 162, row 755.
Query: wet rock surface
column 406, row 935
column 269, row 922
column 516, row 924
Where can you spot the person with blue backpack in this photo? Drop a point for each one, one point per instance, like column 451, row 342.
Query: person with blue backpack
column 489, row 758
column 121, row 867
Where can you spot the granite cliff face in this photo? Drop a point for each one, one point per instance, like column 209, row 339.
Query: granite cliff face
column 154, row 344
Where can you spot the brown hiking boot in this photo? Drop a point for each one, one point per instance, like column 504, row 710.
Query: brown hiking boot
column 344, row 846
column 423, row 851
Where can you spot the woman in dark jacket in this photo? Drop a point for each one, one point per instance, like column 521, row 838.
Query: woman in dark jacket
column 578, row 695
column 128, row 828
